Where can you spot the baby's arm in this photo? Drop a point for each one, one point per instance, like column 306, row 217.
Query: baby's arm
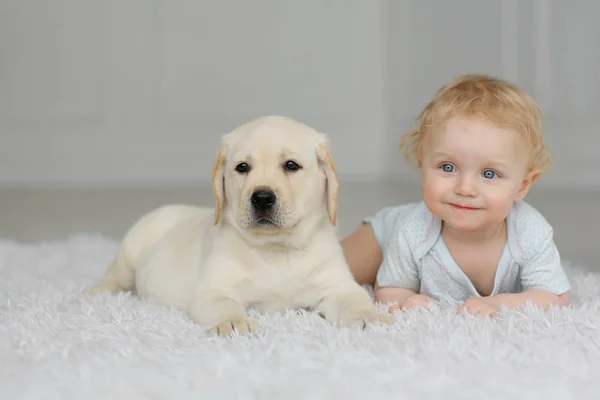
column 392, row 294
column 538, row 297
column 378, row 254
column 543, row 278
column 482, row 306
column 402, row 298
column 362, row 254
column 544, row 283
column 398, row 278
column 364, row 257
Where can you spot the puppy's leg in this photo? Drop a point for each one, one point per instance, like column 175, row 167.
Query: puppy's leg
column 350, row 306
column 119, row 276
column 345, row 302
column 222, row 314
column 216, row 304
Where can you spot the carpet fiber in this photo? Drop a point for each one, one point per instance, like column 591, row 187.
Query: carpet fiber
column 56, row 343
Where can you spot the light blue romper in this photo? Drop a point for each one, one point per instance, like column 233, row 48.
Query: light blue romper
column 415, row 255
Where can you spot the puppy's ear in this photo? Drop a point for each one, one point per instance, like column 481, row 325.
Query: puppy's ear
column 218, row 179
column 332, row 187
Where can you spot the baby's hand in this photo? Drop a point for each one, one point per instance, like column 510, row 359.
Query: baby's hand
column 416, row 300
column 480, row 307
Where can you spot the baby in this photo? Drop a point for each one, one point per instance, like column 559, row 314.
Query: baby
column 473, row 239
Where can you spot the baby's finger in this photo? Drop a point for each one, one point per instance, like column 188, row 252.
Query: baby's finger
column 471, row 306
column 486, row 312
column 394, row 307
column 426, row 301
column 425, row 305
column 472, row 309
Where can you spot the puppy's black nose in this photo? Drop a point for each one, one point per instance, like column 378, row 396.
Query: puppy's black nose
column 262, row 199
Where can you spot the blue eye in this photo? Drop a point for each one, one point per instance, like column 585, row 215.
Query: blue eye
column 489, row 174
column 448, row 168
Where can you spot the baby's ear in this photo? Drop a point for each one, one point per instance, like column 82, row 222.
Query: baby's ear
column 527, row 183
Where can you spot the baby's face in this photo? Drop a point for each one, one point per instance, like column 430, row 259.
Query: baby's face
column 473, row 172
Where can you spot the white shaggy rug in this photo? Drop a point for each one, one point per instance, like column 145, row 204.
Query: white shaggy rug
column 56, row 343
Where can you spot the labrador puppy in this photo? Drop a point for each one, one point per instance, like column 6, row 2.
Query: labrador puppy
column 269, row 244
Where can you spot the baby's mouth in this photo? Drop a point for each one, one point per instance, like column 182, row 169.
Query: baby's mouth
column 466, row 208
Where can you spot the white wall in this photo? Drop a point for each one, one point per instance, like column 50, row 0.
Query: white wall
column 136, row 92
column 140, row 91
column 549, row 47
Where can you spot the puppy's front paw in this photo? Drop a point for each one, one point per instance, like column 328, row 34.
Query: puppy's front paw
column 241, row 325
column 362, row 318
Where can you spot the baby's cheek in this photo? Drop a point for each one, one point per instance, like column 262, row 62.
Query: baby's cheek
column 500, row 207
column 434, row 205
column 431, row 189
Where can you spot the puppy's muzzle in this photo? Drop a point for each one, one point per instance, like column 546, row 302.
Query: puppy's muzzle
column 263, row 200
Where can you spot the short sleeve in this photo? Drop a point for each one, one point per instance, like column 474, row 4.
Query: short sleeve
column 398, row 268
column 385, row 220
column 544, row 269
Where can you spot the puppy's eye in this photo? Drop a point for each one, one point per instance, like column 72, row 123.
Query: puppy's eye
column 291, row 166
column 242, row 168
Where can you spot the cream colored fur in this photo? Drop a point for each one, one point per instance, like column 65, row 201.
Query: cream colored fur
column 214, row 263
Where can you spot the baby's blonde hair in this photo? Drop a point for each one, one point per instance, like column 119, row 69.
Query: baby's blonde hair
column 480, row 96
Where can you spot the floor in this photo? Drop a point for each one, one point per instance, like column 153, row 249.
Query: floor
column 49, row 214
